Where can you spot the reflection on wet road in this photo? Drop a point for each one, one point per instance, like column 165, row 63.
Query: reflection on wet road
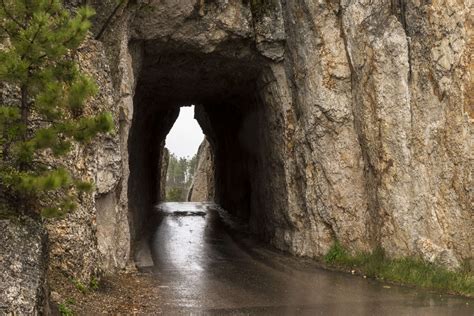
column 203, row 271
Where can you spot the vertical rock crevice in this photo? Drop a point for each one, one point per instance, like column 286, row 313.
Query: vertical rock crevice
column 333, row 120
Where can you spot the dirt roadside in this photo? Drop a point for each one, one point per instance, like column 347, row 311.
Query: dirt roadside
column 127, row 293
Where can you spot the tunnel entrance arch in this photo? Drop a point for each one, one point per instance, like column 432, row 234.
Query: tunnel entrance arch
column 225, row 88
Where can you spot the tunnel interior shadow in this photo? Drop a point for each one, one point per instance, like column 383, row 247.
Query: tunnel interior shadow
column 224, row 90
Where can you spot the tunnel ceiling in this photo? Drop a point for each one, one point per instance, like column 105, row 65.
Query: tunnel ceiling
column 174, row 76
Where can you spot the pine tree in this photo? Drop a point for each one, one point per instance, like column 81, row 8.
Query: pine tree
column 179, row 177
column 45, row 116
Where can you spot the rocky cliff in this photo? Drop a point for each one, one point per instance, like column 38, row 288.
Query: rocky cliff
column 202, row 186
column 342, row 120
column 346, row 120
column 23, row 263
column 331, row 120
column 165, row 159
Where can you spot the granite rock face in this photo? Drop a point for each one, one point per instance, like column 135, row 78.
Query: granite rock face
column 330, row 120
column 165, row 160
column 202, row 186
column 23, row 263
column 93, row 238
column 410, row 89
column 346, row 120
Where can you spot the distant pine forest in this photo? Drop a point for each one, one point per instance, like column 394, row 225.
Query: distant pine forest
column 179, row 177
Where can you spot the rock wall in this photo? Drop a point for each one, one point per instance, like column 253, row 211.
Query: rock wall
column 409, row 94
column 23, row 262
column 379, row 138
column 93, row 238
column 202, row 186
column 346, row 120
column 361, row 121
column 165, row 160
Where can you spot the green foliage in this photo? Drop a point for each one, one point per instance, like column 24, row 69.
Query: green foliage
column 81, row 287
column 192, row 165
column 336, row 254
column 46, row 117
column 175, row 194
column 65, row 309
column 410, row 271
column 94, row 284
column 179, row 177
column 6, row 212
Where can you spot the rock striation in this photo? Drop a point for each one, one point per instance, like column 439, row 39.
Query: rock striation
column 330, row 120
column 202, row 186
column 165, row 160
column 347, row 120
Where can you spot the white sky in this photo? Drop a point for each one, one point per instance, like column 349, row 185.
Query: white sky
column 186, row 135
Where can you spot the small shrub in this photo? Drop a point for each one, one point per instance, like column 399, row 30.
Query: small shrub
column 81, row 287
column 336, row 254
column 70, row 301
column 94, row 284
column 65, row 310
column 175, row 195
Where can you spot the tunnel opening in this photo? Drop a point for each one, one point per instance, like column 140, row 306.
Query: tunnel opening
column 183, row 161
column 224, row 87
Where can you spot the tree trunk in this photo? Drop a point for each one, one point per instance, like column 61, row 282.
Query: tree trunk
column 24, row 118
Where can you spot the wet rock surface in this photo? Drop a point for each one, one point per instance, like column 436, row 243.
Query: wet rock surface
column 331, row 138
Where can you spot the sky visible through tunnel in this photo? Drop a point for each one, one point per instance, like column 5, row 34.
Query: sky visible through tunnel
column 186, row 135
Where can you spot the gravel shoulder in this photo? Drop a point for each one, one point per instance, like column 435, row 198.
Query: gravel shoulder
column 127, row 293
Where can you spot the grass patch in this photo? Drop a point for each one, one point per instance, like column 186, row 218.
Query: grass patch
column 411, row 271
column 94, row 284
column 81, row 287
column 65, row 308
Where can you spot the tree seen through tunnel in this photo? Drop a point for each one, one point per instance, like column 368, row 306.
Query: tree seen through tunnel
column 182, row 143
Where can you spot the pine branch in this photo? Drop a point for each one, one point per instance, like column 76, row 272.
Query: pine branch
column 31, row 42
column 11, row 17
column 44, row 121
column 6, row 31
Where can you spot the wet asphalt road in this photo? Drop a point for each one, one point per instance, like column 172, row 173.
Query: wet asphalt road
column 202, row 271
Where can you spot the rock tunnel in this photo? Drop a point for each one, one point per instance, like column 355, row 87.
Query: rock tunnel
column 225, row 89
column 292, row 115
column 329, row 121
